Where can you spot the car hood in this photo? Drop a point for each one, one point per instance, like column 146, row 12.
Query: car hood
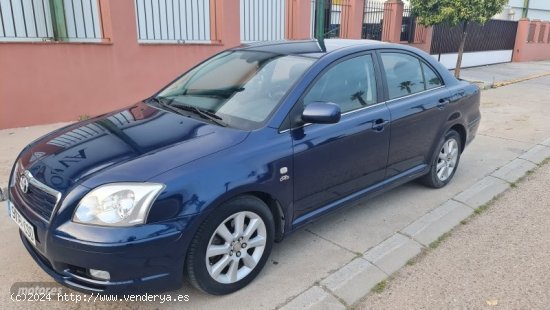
column 132, row 145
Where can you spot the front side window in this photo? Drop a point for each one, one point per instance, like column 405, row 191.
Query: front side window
column 241, row 87
column 351, row 84
column 406, row 75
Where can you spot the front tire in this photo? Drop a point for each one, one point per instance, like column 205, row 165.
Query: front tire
column 231, row 246
column 445, row 161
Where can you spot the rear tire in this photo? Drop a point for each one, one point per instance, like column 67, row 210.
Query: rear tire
column 445, row 161
column 231, row 247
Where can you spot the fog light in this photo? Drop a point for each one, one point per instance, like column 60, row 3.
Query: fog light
column 100, row 274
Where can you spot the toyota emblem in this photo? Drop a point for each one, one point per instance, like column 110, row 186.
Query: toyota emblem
column 24, row 183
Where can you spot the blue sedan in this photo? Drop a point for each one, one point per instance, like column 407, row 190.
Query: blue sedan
column 202, row 178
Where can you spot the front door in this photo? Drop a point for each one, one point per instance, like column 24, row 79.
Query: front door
column 332, row 161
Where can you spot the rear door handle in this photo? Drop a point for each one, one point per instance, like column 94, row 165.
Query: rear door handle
column 379, row 124
column 443, row 102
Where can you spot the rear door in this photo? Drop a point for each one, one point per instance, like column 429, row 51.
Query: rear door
column 417, row 99
column 332, row 161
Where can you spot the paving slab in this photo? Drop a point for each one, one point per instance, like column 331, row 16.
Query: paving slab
column 514, row 170
column 482, row 192
column 546, row 142
column 354, row 280
column 498, row 73
column 514, row 113
column 537, row 154
column 431, row 226
column 393, row 253
column 314, row 298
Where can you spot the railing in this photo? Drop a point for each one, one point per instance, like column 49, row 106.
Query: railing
column 173, row 21
column 49, row 20
column 408, row 25
column 262, row 20
column 336, row 19
column 373, row 20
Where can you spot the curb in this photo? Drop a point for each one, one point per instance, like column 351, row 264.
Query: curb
column 354, row 281
column 487, row 86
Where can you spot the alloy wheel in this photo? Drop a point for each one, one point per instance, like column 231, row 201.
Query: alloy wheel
column 447, row 160
column 236, row 247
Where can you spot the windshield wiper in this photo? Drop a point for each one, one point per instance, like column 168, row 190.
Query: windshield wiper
column 201, row 112
column 179, row 107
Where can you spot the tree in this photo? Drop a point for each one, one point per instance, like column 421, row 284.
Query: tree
column 455, row 13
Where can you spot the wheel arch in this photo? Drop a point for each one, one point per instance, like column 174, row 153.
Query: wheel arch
column 463, row 135
column 275, row 208
column 274, row 205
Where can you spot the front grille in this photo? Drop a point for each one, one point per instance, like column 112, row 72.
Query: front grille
column 37, row 200
column 38, row 197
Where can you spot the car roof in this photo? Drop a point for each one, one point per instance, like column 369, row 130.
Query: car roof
column 340, row 47
column 308, row 47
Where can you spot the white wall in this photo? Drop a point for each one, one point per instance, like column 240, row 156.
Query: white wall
column 473, row 59
column 538, row 9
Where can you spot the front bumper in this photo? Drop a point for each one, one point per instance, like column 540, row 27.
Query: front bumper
column 142, row 259
column 75, row 277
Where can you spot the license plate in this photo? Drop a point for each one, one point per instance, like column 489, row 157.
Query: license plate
column 24, row 225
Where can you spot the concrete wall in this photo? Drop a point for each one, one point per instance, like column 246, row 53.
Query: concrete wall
column 46, row 82
column 537, row 49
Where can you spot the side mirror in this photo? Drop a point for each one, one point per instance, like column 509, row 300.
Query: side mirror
column 321, row 113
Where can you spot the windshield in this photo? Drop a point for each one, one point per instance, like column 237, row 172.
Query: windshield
column 242, row 88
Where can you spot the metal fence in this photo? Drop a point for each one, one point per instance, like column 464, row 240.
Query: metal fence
column 173, row 21
column 493, row 35
column 262, row 20
column 44, row 20
column 373, row 20
column 336, row 19
column 408, row 25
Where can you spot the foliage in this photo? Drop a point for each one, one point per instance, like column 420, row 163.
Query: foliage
column 455, row 12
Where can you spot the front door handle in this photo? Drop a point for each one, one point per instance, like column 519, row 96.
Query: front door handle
column 379, row 124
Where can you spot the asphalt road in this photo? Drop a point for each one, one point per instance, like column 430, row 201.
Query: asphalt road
column 498, row 260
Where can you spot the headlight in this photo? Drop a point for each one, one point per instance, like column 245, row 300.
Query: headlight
column 117, row 204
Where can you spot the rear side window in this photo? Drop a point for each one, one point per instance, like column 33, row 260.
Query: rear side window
column 407, row 75
column 351, row 84
column 432, row 79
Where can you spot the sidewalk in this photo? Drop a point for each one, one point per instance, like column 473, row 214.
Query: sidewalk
column 499, row 258
column 499, row 74
column 344, row 254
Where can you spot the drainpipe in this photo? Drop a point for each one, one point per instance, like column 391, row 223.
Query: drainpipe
column 525, row 9
column 59, row 24
column 320, row 23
